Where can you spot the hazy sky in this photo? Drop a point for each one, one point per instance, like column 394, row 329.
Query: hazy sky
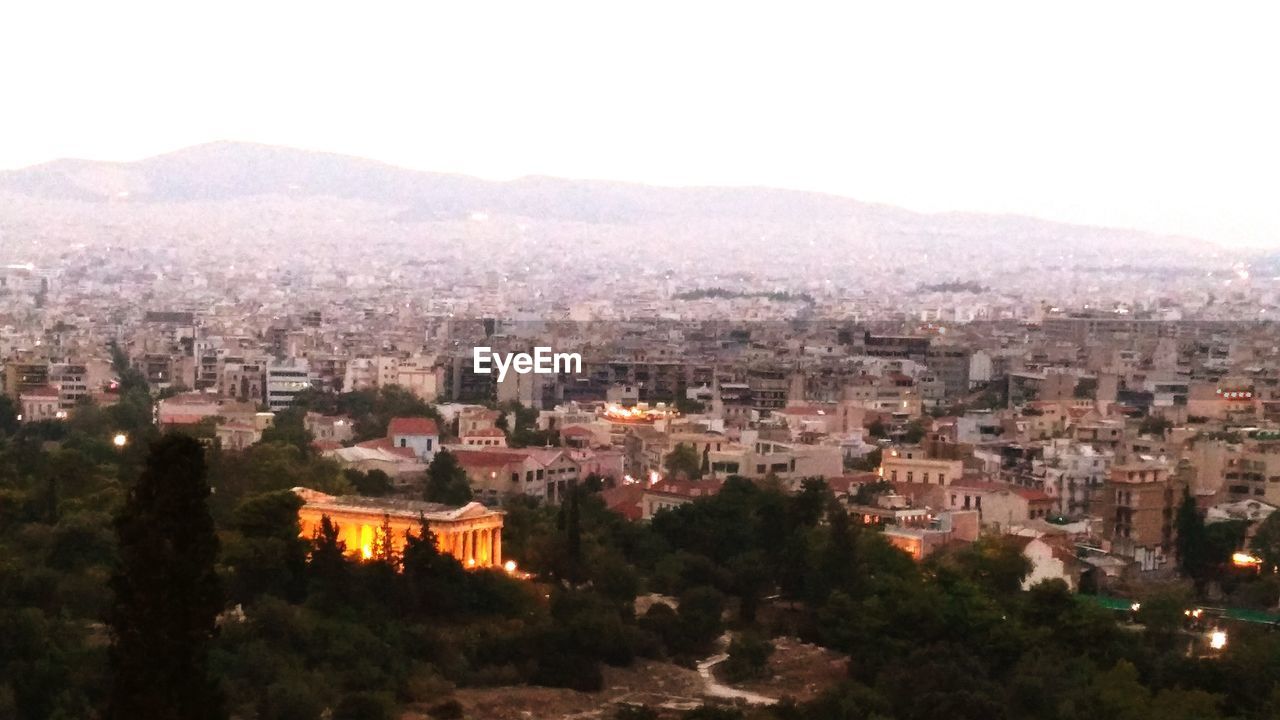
column 1163, row 116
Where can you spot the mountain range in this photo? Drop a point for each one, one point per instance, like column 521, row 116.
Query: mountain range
column 233, row 171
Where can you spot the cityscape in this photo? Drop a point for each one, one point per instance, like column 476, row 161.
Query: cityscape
column 299, row 434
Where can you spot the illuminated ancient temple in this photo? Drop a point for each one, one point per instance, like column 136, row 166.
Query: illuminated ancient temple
column 471, row 533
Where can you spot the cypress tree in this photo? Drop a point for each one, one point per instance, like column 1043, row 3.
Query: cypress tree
column 166, row 593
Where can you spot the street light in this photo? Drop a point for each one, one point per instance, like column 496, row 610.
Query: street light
column 120, row 440
column 1218, row 639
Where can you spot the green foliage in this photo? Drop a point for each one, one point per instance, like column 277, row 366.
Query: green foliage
column 320, row 634
column 877, row 429
column 687, row 406
column 446, row 480
column 264, row 554
column 1192, row 557
column 167, row 594
column 289, row 428
column 749, row 654
column 364, row 706
column 8, row 416
column 268, row 467
column 374, row 483
column 1156, row 425
column 1266, row 541
column 867, row 463
column 913, row 433
column 683, row 462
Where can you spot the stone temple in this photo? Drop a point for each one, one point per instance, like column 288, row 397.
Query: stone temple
column 471, row 533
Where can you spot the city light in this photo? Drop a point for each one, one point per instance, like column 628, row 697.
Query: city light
column 1242, row 559
column 1218, row 639
column 509, row 566
column 120, row 440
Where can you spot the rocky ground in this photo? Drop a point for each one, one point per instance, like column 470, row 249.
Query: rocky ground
column 798, row 670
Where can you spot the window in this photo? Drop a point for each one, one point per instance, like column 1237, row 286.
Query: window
column 403, row 442
column 911, row 476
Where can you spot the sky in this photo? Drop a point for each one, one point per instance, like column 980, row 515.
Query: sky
column 1163, row 116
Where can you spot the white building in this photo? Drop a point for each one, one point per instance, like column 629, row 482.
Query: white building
column 285, row 381
column 418, row 434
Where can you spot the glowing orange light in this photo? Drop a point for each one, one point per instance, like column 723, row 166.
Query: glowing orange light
column 1245, row 560
column 509, row 566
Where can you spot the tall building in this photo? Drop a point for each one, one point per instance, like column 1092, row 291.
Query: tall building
column 285, row 381
column 1139, row 507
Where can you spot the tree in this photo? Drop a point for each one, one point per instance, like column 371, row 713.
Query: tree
column 748, row 657
column 446, row 480
column 383, row 543
column 1155, row 425
column 877, row 429
column 167, row 596
column 1192, row 546
column 374, row 483
column 289, row 428
column 867, row 463
column 683, row 461
column 434, row 583
column 1266, row 541
column 266, row 555
column 569, row 523
column 8, row 416
column 700, row 614
column 913, row 433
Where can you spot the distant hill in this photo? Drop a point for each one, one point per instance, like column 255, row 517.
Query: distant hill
column 227, row 171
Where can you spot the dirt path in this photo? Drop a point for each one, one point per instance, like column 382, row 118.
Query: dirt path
column 714, row 688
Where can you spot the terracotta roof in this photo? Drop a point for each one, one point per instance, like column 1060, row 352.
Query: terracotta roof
column 577, row 430
column 177, row 419
column 1027, row 494
column 485, row 458
column 686, row 488
column 847, row 483
column 485, row 432
column 412, row 426
column 625, row 500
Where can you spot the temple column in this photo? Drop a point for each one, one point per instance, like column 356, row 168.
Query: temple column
column 497, row 546
column 486, row 553
column 468, row 547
